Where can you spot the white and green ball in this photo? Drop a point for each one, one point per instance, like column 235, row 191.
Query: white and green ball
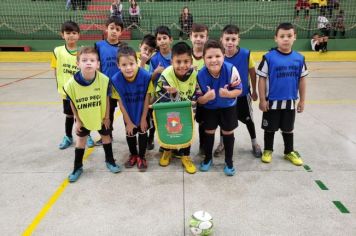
column 201, row 223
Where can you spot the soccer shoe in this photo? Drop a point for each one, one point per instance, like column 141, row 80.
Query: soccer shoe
column 266, row 156
column 188, row 165
column 150, row 146
column 294, row 157
column 229, row 171
column 113, row 168
column 205, row 167
column 141, row 164
column 90, row 142
column 165, row 158
column 256, row 150
column 219, row 150
column 66, row 142
column 74, row 176
column 131, row 162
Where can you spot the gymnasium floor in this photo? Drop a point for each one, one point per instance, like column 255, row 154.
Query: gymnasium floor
column 261, row 199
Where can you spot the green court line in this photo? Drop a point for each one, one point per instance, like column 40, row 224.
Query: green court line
column 321, row 185
column 307, row 168
column 341, row 207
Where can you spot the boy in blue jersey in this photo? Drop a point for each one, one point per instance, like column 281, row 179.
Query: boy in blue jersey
column 134, row 86
column 108, row 50
column 241, row 59
column 161, row 60
column 178, row 82
column 219, row 100
column 282, row 73
column 88, row 91
column 64, row 64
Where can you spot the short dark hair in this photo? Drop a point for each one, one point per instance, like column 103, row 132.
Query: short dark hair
column 87, row 50
column 284, row 26
column 231, row 29
column 149, row 40
column 199, row 28
column 116, row 21
column 163, row 30
column 125, row 52
column 181, row 48
column 211, row 43
column 70, row 26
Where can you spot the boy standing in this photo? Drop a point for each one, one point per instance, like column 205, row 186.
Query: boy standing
column 178, row 80
column 282, row 73
column 199, row 36
column 241, row 59
column 160, row 60
column 108, row 50
column 89, row 99
column 64, row 64
column 219, row 101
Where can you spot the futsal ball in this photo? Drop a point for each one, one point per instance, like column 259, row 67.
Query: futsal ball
column 201, row 223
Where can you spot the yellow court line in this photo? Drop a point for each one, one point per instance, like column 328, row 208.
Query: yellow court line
column 55, row 196
column 28, row 103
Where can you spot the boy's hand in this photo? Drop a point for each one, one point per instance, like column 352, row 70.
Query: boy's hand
column 159, row 69
column 224, row 92
column 263, row 105
column 169, row 89
column 210, row 94
column 300, row 107
column 254, row 96
column 78, row 126
column 129, row 128
column 106, row 123
column 236, row 82
column 144, row 58
column 143, row 125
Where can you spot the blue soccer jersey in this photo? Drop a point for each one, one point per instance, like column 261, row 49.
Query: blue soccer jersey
column 108, row 57
column 241, row 61
column 283, row 72
column 159, row 59
column 228, row 75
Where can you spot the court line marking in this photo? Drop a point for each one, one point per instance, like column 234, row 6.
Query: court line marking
column 341, row 207
column 19, row 80
column 55, row 196
column 321, row 185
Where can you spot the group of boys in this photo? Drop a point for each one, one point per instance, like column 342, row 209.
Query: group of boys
column 218, row 75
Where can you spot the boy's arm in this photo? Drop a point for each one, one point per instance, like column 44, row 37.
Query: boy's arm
column 231, row 90
column 159, row 69
column 252, row 72
column 106, row 120
column 262, row 92
column 129, row 124
column 302, row 90
column 143, row 122
column 78, row 122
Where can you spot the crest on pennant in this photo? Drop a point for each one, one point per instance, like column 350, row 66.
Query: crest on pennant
column 174, row 124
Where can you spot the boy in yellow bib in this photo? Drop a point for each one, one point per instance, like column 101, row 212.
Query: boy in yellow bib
column 88, row 91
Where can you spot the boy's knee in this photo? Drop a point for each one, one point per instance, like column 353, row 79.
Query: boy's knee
column 106, row 139
column 210, row 131
column 224, row 132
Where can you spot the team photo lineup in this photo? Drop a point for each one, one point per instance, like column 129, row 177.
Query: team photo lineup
column 217, row 76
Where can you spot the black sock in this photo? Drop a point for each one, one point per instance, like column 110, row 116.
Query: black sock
column 132, row 142
column 325, row 45
column 201, row 136
column 269, row 138
column 251, row 129
column 69, row 126
column 209, row 143
column 151, row 135
column 229, row 149
column 296, row 13
column 109, row 156
column 142, row 144
column 78, row 161
column 288, row 142
column 306, row 12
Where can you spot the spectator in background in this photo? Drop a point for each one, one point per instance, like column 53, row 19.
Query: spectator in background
column 332, row 4
column 339, row 24
column 314, row 4
column 324, row 27
column 186, row 22
column 323, row 4
column 315, row 42
column 134, row 12
column 302, row 4
column 116, row 9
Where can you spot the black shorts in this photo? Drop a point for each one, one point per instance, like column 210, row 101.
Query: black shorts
column 138, row 129
column 244, row 108
column 85, row 132
column 226, row 118
column 66, row 107
column 199, row 113
column 272, row 120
